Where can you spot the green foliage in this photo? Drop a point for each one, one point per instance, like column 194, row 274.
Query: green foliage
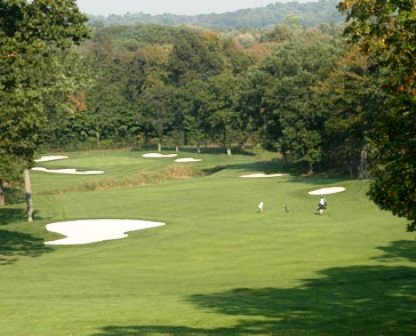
column 195, row 55
column 195, row 98
column 308, row 14
column 10, row 169
column 158, row 118
column 350, row 96
column 33, row 36
column 147, row 88
column 292, row 119
column 199, row 86
column 224, row 119
column 140, row 35
column 385, row 31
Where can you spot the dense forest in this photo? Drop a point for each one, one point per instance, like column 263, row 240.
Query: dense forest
column 326, row 97
column 289, row 88
column 308, row 15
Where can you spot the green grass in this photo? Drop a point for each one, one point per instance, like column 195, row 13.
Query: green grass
column 218, row 267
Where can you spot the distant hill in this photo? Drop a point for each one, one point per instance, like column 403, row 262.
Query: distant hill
column 308, row 14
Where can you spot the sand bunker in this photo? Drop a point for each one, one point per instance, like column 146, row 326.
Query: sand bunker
column 158, row 155
column 187, row 160
column 71, row 171
column 51, row 158
column 260, row 175
column 80, row 232
column 327, row 191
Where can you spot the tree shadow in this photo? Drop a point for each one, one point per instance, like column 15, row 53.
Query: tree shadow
column 15, row 196
column 14, row 245
column 15, row 215
column 11, row 215
column 356, row 300
column 266, row 167
column 164, row 330
column 279, row 166
column 276, row 166
column 360, row 300
column 403, row 249
column 318, row 180
column 217, row 150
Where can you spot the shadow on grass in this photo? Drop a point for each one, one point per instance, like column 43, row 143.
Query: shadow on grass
column 193, row 150
column 318, row 181
column 16, row 244
column 15, row 196
column 14, row 215
column 404, row 249
column 267, row 167
column 276, row 166
column 357, row 300
column 11, row 215
column 279, row 166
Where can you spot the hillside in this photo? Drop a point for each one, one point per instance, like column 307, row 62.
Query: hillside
column 308, row 14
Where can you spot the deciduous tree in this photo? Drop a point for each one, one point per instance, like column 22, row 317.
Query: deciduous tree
column 32, row 36
column 386, row 32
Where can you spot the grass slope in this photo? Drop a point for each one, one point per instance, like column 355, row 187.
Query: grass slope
column 217, row 268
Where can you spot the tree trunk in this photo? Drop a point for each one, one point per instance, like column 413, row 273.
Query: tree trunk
column 2, row 196
column 351, row 166
column 311, row 171
column 177, row 148
column 229, row 153
column 159, row 146
column 362, row 169
column 185, row 138
column 97, row 139
column 198, row 148
column 28, row 192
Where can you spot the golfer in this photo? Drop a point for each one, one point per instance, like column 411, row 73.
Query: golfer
column 323, row 202
column 261, row 206
column 322, row 205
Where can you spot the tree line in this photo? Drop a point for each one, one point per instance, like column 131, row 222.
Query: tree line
column 309, row 14
column 300, row 91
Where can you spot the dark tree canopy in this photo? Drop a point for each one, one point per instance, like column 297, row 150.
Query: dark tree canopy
column 33, row 37
column 386, row 32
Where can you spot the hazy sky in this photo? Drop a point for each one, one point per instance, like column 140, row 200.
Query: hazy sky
column 189, row 7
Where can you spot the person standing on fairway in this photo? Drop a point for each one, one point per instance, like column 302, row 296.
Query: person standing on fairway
column 322, row 205
column 261, row 206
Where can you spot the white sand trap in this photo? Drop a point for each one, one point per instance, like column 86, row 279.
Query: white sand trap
column 51, row 158
column 80, row 232
column 260, row 175
column 158, row 155
column 71, row 171
column 327, row 191
column 187, row 160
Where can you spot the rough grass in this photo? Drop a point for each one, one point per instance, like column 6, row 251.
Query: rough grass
column 218, row 267
column 141, row 179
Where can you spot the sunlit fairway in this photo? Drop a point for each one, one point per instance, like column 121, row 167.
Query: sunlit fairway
column 218, row 267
